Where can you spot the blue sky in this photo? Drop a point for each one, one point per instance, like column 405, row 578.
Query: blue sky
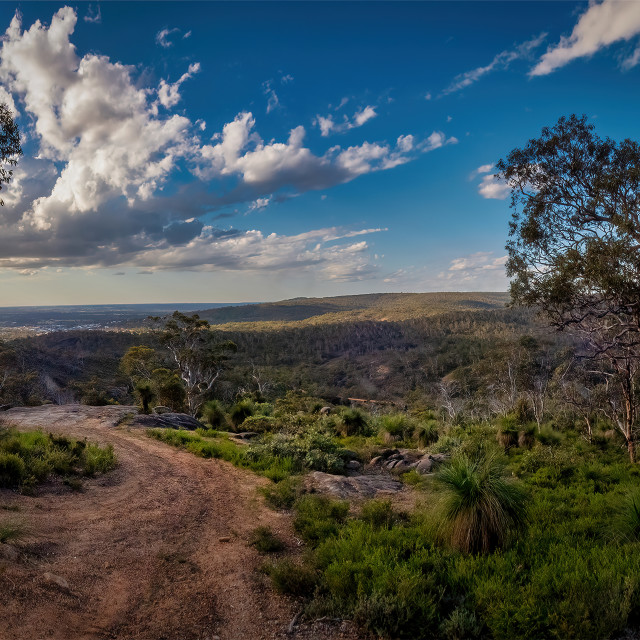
column 179, row 152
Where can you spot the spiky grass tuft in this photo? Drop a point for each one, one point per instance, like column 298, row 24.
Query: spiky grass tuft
column 481, row 507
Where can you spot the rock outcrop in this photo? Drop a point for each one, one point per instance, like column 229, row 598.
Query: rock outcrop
column 167, row 421
column 402, row 460
column 364, row 486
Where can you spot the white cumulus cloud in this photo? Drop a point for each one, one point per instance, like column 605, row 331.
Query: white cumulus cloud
column 490, row 187
column 99, row 191
column 169, row 93
column 328, row 125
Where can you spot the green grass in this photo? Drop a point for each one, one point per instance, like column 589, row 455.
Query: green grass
column 274, row 467
column 568, row 574
column 28, row 458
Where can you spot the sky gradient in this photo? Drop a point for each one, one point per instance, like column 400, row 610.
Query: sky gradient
column 227, row 152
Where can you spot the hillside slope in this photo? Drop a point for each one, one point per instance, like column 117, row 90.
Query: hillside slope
column 374, row 306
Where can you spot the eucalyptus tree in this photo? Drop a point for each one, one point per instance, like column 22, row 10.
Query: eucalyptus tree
column 574, row 248
column 198, row 354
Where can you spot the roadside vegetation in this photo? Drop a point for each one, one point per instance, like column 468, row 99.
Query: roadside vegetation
column 525, row 532
column 30, row 458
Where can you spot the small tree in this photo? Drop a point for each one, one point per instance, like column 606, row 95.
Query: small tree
column 197, row 353
column 574, row 248
column 138, row 363
column 168, row 389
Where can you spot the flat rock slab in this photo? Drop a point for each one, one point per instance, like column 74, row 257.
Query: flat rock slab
column 365, row 486
column 167, row 421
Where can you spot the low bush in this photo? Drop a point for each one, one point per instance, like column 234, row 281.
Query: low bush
column 313, row 449
column 260, row 424
column 11, row 531
column 627, row 522
column 283, row 494
column 378, row 513
column 241, row 411
column 318, row 517
column 265, row 541
column 353, row 422
column 28, row 458
column 272, row 466
column 213, row 414
column 292, row 579
column 395, row 427
column 12, row 470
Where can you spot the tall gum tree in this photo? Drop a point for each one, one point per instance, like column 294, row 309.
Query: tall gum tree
column 574, row 248
column 197, row 353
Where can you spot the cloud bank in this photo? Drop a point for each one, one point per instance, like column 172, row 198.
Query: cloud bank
column 99, row 191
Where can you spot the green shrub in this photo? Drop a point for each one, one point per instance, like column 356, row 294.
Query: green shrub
column 462, row 624
column 318, row 517
column 446, row 444
column 29, row 458
column 378, row 513
column 260, row 424
column 397, row 615
column 283, row 494
column 292, row 579
column 98, row 459
column 480, row 507
column 354, row 423
column 11, row 531
column 240, row 412
column 213, row 414
column 265, row 541
column 548, row 436
column 426, row 433
column 313, row 449
column 12, row 470
column 627, row 521
column 395, row 427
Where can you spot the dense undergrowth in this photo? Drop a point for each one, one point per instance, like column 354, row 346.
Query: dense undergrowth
column 572, row 572
column 563, row 560
column 29, row 458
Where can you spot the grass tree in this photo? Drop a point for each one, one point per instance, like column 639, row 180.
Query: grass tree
column 481, row 507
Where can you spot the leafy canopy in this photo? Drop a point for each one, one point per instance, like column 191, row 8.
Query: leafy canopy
column 10, row 149
column 575, row 231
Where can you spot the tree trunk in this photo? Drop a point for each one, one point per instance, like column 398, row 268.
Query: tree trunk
column 631, row 448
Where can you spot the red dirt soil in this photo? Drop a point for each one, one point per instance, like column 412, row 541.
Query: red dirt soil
column 143, row 547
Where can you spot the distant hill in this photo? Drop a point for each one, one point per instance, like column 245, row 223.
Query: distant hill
column 375, row 306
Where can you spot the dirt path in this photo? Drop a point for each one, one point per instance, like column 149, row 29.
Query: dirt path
column 143, row 548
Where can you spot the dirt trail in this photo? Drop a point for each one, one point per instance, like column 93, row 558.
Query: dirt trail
column 142, row 548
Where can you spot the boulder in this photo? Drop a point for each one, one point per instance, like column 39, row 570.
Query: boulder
column 159, row 410
column 325, row 411
column 402, row 460
column 429, row 463
column 364, row 486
